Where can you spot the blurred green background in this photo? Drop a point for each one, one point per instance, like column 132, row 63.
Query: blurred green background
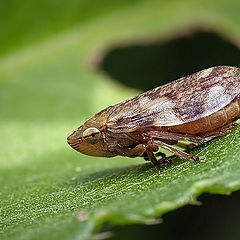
column 61, row 62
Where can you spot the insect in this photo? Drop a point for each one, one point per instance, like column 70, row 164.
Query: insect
column 194, row 108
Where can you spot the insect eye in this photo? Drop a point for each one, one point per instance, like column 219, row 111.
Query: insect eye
column 91, row 135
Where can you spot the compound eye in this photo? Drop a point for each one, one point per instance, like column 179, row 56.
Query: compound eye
column 91, row 135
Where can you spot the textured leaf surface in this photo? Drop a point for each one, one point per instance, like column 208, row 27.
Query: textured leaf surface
column 45, row 94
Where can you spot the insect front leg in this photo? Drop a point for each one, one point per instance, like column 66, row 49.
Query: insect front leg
column 137, row 151
column 152, row 157
column 172, row 149
column 143, row 150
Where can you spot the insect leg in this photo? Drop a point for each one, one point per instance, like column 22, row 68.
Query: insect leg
column 145, row 156
column 185, row 145
column 172, row 149
column 145, row 151
column 160, row 154
column 220, row 131
column 176, row 136
column 137, row 151
column 152, row 158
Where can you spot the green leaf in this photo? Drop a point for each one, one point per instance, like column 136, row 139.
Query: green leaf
column 47, row 89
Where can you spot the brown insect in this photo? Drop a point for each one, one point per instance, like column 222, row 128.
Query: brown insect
column 194, row 108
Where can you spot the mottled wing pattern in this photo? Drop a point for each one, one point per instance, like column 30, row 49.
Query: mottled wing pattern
column 184, row 100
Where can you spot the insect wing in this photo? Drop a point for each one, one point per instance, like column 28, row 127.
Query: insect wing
column 184, row 100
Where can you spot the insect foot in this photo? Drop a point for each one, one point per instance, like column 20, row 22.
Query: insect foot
column 195, row 158
column 165, row 160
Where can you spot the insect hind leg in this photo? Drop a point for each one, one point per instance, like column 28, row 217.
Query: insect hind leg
column 172, row 149
column 186, row 146
column 222, row 130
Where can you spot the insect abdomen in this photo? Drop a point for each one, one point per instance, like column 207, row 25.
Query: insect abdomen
column 212, row 122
